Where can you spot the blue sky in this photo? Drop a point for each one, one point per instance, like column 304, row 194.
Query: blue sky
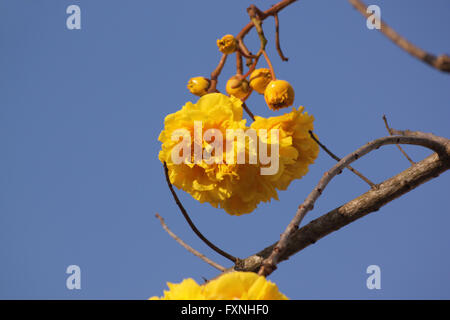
column 81, row 111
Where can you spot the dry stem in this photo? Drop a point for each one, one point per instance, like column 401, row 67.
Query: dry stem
column 335, row 157
column 191, row 224
column 277, row 38
column 188, row 247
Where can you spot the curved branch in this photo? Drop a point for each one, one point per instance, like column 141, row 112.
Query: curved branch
column 437, row 144
column 371, row 201
column 277, row 38
column 441, row 63
column 191, row 224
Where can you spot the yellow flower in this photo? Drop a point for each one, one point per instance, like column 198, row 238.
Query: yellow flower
column 188, row 289
column 243, row 286
column 197, row 165
column 279, row 94
column 237, row 87
column 198, row 86
column 237, row 188
column 228, row 286
column 259, row 79
column 227, row 44
column 297, row 149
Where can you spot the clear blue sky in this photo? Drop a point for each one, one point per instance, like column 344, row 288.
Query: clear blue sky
column 81, row 111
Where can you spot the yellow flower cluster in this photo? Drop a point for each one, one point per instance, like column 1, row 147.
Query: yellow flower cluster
column 296, row 147
column 237, row 188
column 228, row 286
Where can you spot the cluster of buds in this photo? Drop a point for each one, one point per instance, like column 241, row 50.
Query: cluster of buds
column 277, row 93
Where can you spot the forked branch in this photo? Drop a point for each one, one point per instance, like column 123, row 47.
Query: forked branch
column 335, row 157
column 440, row 145
column 398, row 146
column 369, row 202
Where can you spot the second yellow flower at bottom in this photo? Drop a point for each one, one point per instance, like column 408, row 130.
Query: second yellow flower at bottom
column 229, row 286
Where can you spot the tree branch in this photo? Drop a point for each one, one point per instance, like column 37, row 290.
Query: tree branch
column 437, row 144
column 441, row 63
column 371, row 201
column 188, row 247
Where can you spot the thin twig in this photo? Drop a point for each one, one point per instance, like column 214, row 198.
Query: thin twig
column 191, row 224
column 239, row 67
column 426, row 140
column 244, row 51
column 277, row 38
column 215, row 74
column 252, row 116
column 331, row 154
column 441, row 63
column 270, row 12
column 251, row 68
column 398, row 146
column 272, row 71
column 188, row 247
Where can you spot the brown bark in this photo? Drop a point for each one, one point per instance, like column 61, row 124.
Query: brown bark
column 369, row 202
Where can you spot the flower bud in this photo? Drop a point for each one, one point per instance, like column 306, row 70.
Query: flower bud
column 227, row 44
column 237, row 87
column 279, row 94
column 198, row 86
column 259, row 79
